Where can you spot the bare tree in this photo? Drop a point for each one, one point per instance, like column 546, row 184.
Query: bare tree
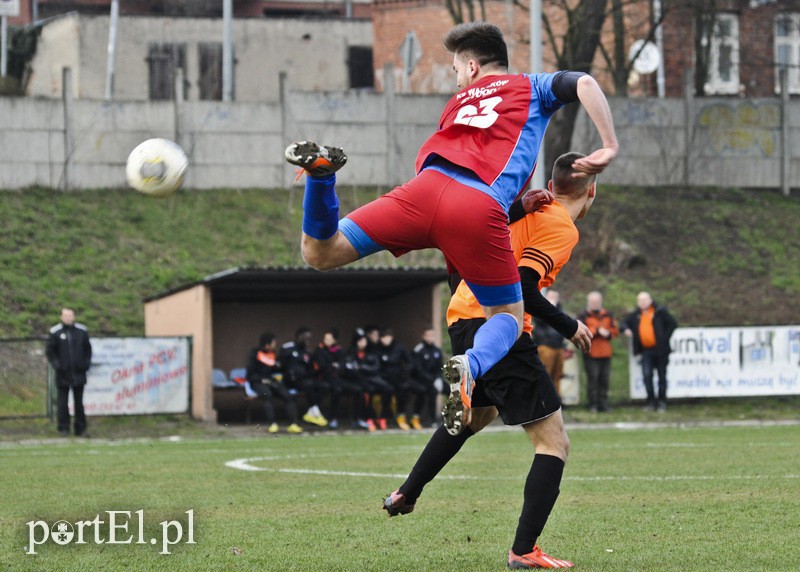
column 704, row 15
column 618, row 63
column 464, row 10
column 575, row 50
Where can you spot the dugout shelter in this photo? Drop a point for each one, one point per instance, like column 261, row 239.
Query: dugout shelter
column 225, row 313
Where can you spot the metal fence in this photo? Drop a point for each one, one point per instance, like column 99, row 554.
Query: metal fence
column 24, row 379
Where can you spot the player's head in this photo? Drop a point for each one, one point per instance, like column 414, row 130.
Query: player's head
column 564, row 184
column 477, row 47
column 387, row 336
column 267, row 340
column 302, row 336
column 428, row 336
column 373, row 333
column 359, row 339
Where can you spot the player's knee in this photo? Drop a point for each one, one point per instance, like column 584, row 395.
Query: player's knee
column 564, row 446
column 314, row 256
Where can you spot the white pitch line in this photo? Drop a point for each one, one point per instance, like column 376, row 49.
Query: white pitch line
column 246, row 464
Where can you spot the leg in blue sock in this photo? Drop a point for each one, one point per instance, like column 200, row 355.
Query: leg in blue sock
column 492, row 341
column 321, row 207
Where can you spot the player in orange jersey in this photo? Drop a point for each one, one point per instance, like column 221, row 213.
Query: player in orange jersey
column 519, row 387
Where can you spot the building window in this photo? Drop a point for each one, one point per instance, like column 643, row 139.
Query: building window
column 359, row 66
column 787, row 50
column 723, row 56
column 210, row 82
column 163, row 61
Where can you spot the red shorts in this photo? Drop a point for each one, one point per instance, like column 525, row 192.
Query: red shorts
column 433, row 210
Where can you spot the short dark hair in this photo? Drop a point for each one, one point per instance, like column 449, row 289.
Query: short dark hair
column 479, row 40
column 563, row 181
column 301, row 331
column 265, row 339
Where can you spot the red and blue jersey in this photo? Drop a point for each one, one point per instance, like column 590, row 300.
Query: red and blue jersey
column 494, row 129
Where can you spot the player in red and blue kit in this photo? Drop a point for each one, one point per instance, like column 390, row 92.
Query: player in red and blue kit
column 468, row 174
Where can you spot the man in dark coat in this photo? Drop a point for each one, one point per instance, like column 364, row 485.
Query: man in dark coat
column 70, row 353
column 650, row 327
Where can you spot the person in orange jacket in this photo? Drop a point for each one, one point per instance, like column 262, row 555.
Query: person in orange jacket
column 597, row 361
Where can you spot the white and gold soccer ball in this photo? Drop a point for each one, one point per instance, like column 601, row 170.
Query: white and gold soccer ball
column 156, row 167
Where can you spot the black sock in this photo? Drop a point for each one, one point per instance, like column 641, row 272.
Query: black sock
column 437, row 453
column 541, row 492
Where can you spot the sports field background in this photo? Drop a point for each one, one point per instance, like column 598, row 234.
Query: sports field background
column 638, row 499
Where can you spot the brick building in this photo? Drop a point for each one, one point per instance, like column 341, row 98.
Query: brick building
column 751, row 40
column 430, row 21
column 41, row 9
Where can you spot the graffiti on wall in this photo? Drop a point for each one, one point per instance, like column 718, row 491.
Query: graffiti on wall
column 744, row 128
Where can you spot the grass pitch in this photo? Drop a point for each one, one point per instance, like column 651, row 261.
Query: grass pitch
column 721, row 498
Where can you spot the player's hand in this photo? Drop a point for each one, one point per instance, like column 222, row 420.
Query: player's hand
column 535, row 199
column 594, row 163
column 583, row 337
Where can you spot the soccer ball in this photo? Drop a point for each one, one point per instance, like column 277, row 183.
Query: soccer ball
column 156, row 167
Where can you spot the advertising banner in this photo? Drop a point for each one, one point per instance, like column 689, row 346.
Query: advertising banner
column 726, row 362
column 131, row 376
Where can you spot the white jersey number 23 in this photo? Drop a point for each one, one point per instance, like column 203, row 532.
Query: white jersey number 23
column 483, row 118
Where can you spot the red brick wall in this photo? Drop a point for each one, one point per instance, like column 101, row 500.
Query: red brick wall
column 756, row 45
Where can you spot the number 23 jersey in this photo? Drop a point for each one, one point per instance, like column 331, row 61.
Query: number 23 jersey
column 494, row 128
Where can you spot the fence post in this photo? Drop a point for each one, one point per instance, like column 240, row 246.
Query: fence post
column 391, row 126
column 688, row 127
column 178, row 105
column 785, row 151
column 283, row 88
column 69, row 129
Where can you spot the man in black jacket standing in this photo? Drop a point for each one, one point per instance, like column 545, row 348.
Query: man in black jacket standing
column 70, row 353
column 651, row 327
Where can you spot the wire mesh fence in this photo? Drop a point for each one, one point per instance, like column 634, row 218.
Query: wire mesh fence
column 23, row 378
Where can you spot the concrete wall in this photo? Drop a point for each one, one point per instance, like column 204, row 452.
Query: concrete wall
column 727, row 142
column 315, row 52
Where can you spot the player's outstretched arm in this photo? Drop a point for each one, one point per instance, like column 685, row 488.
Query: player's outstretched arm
column 596, row 105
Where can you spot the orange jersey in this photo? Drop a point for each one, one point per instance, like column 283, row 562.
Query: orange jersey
column 543, row 241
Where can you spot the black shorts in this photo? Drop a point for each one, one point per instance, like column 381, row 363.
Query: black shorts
column 518, row 385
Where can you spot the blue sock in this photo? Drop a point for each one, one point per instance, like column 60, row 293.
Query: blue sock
column 321, row 207
column 492, row 341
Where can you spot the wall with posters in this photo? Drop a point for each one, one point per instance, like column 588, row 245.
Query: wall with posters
column 131, row 376
column 727, row 362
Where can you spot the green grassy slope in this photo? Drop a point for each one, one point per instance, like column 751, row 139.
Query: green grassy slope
column 715, row 257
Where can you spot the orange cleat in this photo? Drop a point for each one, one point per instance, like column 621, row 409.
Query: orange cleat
column 396, row 504
column 315, row 160
column 536, row 559
column 457, row 410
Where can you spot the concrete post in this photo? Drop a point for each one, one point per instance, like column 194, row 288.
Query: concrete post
column 391, row 125
column 283, row 87
column 178, row 103
column 785, row 151
column 688, row 124
column 69, row 128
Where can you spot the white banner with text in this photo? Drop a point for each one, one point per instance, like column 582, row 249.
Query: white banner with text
column 131, row 376
column 727, row 362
